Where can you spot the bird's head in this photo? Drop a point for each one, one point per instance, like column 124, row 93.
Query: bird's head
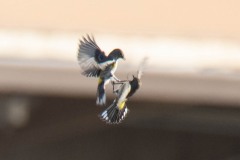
column 117, row 54
column 136, row 80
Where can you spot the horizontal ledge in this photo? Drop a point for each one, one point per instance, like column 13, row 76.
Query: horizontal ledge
column 162, row 87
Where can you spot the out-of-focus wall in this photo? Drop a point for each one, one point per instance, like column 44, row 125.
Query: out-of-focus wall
column 186, row 108
column 186, row 18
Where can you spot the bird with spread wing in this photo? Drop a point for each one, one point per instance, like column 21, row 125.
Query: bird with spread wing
column 95, row 63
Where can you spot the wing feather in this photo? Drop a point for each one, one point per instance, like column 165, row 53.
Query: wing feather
column 141, row 67
column 87, row 52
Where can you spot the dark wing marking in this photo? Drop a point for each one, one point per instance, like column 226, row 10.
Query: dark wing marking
column 91, row 58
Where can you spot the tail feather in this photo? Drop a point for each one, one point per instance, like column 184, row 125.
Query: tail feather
column 101, row 95
column 114, row 115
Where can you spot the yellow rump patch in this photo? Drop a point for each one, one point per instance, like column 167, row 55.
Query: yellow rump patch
column 100, row 80
column 114, row 65
column 122, row 104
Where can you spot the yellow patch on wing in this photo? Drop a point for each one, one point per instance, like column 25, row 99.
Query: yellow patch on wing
column 100, row 80
column 113, row 65
column 122, row 104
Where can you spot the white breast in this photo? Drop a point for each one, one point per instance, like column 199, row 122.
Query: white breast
column 114, row 67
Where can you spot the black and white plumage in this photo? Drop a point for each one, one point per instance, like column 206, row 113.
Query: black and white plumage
column 103, row 80
column 118, row 110
column 95, row 63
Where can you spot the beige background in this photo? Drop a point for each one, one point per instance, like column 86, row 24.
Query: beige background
column 215, row 18
column 198, row 41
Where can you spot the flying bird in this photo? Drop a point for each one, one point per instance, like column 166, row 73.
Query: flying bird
column 95, row 63
column 118, row 110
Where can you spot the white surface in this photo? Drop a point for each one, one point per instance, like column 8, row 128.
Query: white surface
column 66, row 80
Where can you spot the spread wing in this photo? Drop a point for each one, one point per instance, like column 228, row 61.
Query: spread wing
column 91, row 58
column 141, row 67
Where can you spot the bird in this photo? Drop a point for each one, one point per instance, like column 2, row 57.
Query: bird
column 118, row 110
column 95, row 63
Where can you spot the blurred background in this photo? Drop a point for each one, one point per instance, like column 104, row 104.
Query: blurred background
column 187, row 108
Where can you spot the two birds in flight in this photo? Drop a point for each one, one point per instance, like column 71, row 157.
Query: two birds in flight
column 95, row 63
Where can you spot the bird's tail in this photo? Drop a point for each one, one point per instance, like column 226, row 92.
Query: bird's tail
column 101, row 95
column 113, row 114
